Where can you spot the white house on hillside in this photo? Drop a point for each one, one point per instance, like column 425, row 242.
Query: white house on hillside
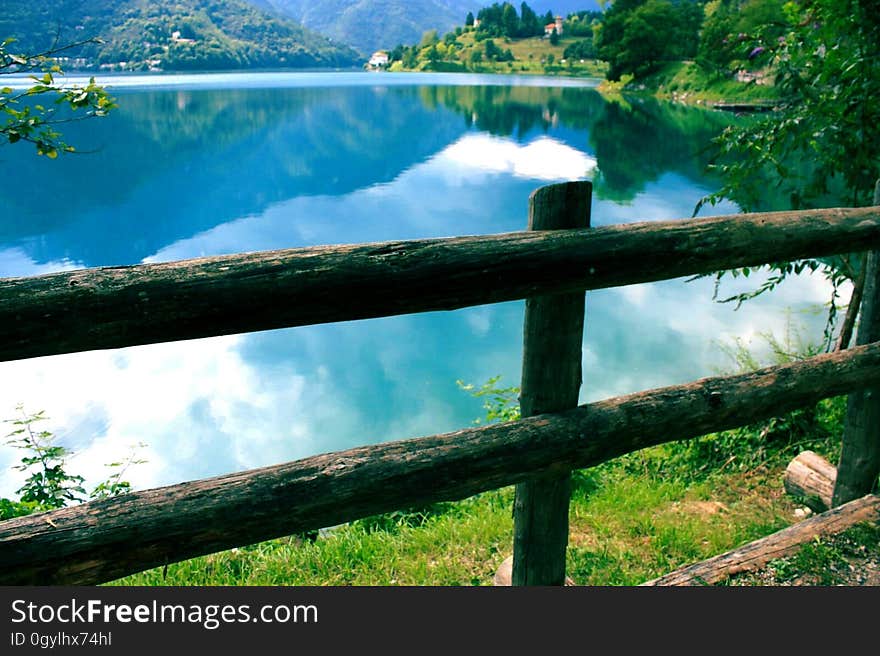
column 549, row 27
column 378, row 60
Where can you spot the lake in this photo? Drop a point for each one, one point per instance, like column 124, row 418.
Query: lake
column 198, row 165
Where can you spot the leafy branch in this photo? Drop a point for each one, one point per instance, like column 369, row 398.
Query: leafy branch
column 500, row 403
column 821, row 144
column 24, row 120
column 114, row 485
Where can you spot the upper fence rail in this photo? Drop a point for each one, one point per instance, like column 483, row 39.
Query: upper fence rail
column 113, row 307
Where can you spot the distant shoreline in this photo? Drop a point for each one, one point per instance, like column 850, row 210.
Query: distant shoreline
column 292, row 78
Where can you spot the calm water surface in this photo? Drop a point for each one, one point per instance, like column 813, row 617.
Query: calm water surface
column 201, row 165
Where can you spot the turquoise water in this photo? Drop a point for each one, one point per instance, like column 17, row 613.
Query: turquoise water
column 199, row 165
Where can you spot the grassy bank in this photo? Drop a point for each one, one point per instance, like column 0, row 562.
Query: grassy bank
column 676, row 81
column 688, row 83
column 532, row 56
column 631, row 520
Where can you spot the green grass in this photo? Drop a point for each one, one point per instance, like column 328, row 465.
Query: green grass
column 687, row 82
column 531, row 57
column 451, row 544
column 631, row 529
column 631, row 520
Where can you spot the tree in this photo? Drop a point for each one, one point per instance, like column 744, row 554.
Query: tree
column 23, row 119
column 554, row 38
column 609, row 36
column 429, row 38
column 410, row 57
column 529, row 23
column 684, row 32
column 582, row 49
column 469, row 19
column 717, row 38
column 635, row 36
column 581, row 23
column 509, row 21
column 493, row 52
column 824, row 141
column 733, row 29
column 820, row 147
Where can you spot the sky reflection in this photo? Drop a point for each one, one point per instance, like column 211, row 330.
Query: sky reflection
column 298, row 168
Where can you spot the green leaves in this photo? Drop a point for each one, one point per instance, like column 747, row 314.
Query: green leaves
column 500, row 403
column 114, row 485
column 49, row 485
column 636, row 36
column 23, row 120
column 821, row 147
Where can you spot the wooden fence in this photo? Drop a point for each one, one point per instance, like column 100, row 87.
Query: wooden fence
column 550, row 265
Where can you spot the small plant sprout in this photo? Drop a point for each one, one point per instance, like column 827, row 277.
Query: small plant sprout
column 49, row 484
column 501, row 403
column 114, row 485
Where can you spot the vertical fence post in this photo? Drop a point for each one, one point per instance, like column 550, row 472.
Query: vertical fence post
column 859, row 464
column 551, row 380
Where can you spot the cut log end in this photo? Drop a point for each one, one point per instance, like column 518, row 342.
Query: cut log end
column 810, row 478
column 504, row 575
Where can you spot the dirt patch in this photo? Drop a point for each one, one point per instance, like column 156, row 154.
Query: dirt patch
column 700, row 508
column 851, row 558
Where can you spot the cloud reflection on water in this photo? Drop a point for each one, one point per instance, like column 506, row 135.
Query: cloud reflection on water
column 207, row 407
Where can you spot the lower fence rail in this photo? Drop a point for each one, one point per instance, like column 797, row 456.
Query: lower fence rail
column 104, row 540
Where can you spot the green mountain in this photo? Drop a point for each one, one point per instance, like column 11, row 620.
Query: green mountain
column 372, row 24
column 170, row 34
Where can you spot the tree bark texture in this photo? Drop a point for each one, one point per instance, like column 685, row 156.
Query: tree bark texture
column 113, row 307
column 553, row 335
column 852, row 310
column 859, row 466
column 104, row 540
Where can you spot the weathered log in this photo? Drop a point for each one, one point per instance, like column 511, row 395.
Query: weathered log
column 810, row 477
column 104, row 540
column 755, row 555
column 859, row 466
column 553, row 335
column 113, row 307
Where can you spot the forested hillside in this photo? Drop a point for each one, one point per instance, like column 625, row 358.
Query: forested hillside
column 169, row 34
column 372, row 24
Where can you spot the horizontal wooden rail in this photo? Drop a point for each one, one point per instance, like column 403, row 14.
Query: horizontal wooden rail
column 104, row 540
column 114, row 307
